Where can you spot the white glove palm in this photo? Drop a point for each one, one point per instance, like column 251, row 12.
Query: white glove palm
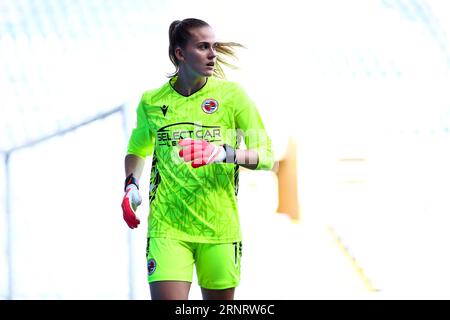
column 130, row 202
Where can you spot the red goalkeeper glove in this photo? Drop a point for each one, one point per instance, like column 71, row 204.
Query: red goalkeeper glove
column 201, row 152
column 131, row 200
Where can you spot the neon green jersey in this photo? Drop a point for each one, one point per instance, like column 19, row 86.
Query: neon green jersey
column 188, row 204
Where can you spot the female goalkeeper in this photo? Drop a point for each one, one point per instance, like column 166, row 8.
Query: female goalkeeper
column 192, row 126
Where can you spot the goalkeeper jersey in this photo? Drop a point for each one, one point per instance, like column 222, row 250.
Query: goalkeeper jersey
column 188, row 204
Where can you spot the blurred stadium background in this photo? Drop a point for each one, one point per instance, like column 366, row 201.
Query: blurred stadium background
column 354, row 94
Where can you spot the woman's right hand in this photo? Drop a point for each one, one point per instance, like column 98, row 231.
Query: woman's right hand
column 131, row 200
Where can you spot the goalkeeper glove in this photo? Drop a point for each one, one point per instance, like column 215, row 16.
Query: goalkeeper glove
column 201, row 152
column 131, row 201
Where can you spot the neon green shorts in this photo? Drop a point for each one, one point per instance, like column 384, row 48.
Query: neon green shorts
column 218, row 265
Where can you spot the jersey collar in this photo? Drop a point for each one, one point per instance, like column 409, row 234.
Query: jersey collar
column 172, row 81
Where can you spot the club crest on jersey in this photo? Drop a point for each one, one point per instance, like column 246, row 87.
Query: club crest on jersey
column 210, row 106
column 151, row 266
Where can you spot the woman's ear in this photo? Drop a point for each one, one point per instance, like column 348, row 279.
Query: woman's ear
column 179, row 54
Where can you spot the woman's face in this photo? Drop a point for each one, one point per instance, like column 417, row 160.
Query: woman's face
column 200, row 52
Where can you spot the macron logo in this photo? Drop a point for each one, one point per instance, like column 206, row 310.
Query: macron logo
column 164, row 109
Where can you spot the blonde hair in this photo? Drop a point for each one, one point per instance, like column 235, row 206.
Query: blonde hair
column 179, row 35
